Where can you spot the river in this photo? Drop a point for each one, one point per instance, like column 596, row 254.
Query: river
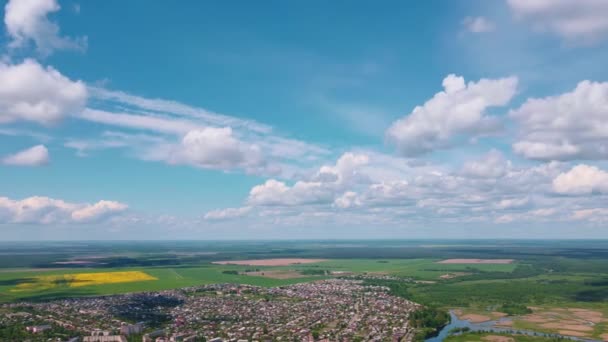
column 489, row 326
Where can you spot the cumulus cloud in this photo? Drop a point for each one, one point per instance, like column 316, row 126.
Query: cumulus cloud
column 206, row 148
column 348, row 200
column 274, row 192
column 217, row 148
column 478, row 24
column 33, row 156
column 346, row 169
column 226, row 214
column 570, row 19
column 387, row 191
column 45, row 210
column 573, row 125
column 321, row 188
column 581, row 180
column 27, row 21
column 492, row 165
column 98, row 211
column 31, row 92
column 457, row 110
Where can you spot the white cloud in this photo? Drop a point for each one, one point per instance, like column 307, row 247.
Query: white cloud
column 573, row 125
column 543, row 212
column 513, row 203
column 492, row 165
column 414, row 194
column 45, row 210
column 217, row 148
column 34, row 156
column 546, row 151
column 161, row 124
column 570, row 19
column 164, row 107
column 346, row 169
column 228, row 213
column 30, row 92
column 177, row 133
column 269, row 193
column 98, row 211
column 17, row 132
column 275, row 192
column 206, row 148
column 113, row 140
column 458, row 110
column 581, row 180
column 507, row 218
column 321, row 188
column 348, row 200
column 27, row 20
column 390, row 193
column 593, row 215
column 478, row 24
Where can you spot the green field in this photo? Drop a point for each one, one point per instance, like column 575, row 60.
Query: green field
column 168, row 278
column 183, row 276
column 420, row 269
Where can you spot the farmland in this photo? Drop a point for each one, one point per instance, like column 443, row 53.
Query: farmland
column 47, row 282
column 45, row 285
column 34, row 284
column 536, row 275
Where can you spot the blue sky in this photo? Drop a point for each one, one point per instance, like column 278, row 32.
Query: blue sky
column 240, row 120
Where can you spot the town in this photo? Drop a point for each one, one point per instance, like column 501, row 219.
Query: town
column 326, row 310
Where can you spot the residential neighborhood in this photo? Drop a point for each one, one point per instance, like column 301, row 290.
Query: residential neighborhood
column 327, row 310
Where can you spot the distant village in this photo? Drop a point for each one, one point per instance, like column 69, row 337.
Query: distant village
column 327, row 310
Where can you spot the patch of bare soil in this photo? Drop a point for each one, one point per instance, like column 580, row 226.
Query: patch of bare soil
column 504, row 324
column 572, row 333
column 474, row 318
column 588, row 315
column 576, row 322
column 533, row 318
column 565, row 325
column 498, row 314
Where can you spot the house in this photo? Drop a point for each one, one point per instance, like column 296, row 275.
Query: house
column 129, row 329
column 105, row 338
column 38, row 328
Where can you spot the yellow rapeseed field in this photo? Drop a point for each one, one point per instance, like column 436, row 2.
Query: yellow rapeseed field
column 86, row 279
column 40, row 283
